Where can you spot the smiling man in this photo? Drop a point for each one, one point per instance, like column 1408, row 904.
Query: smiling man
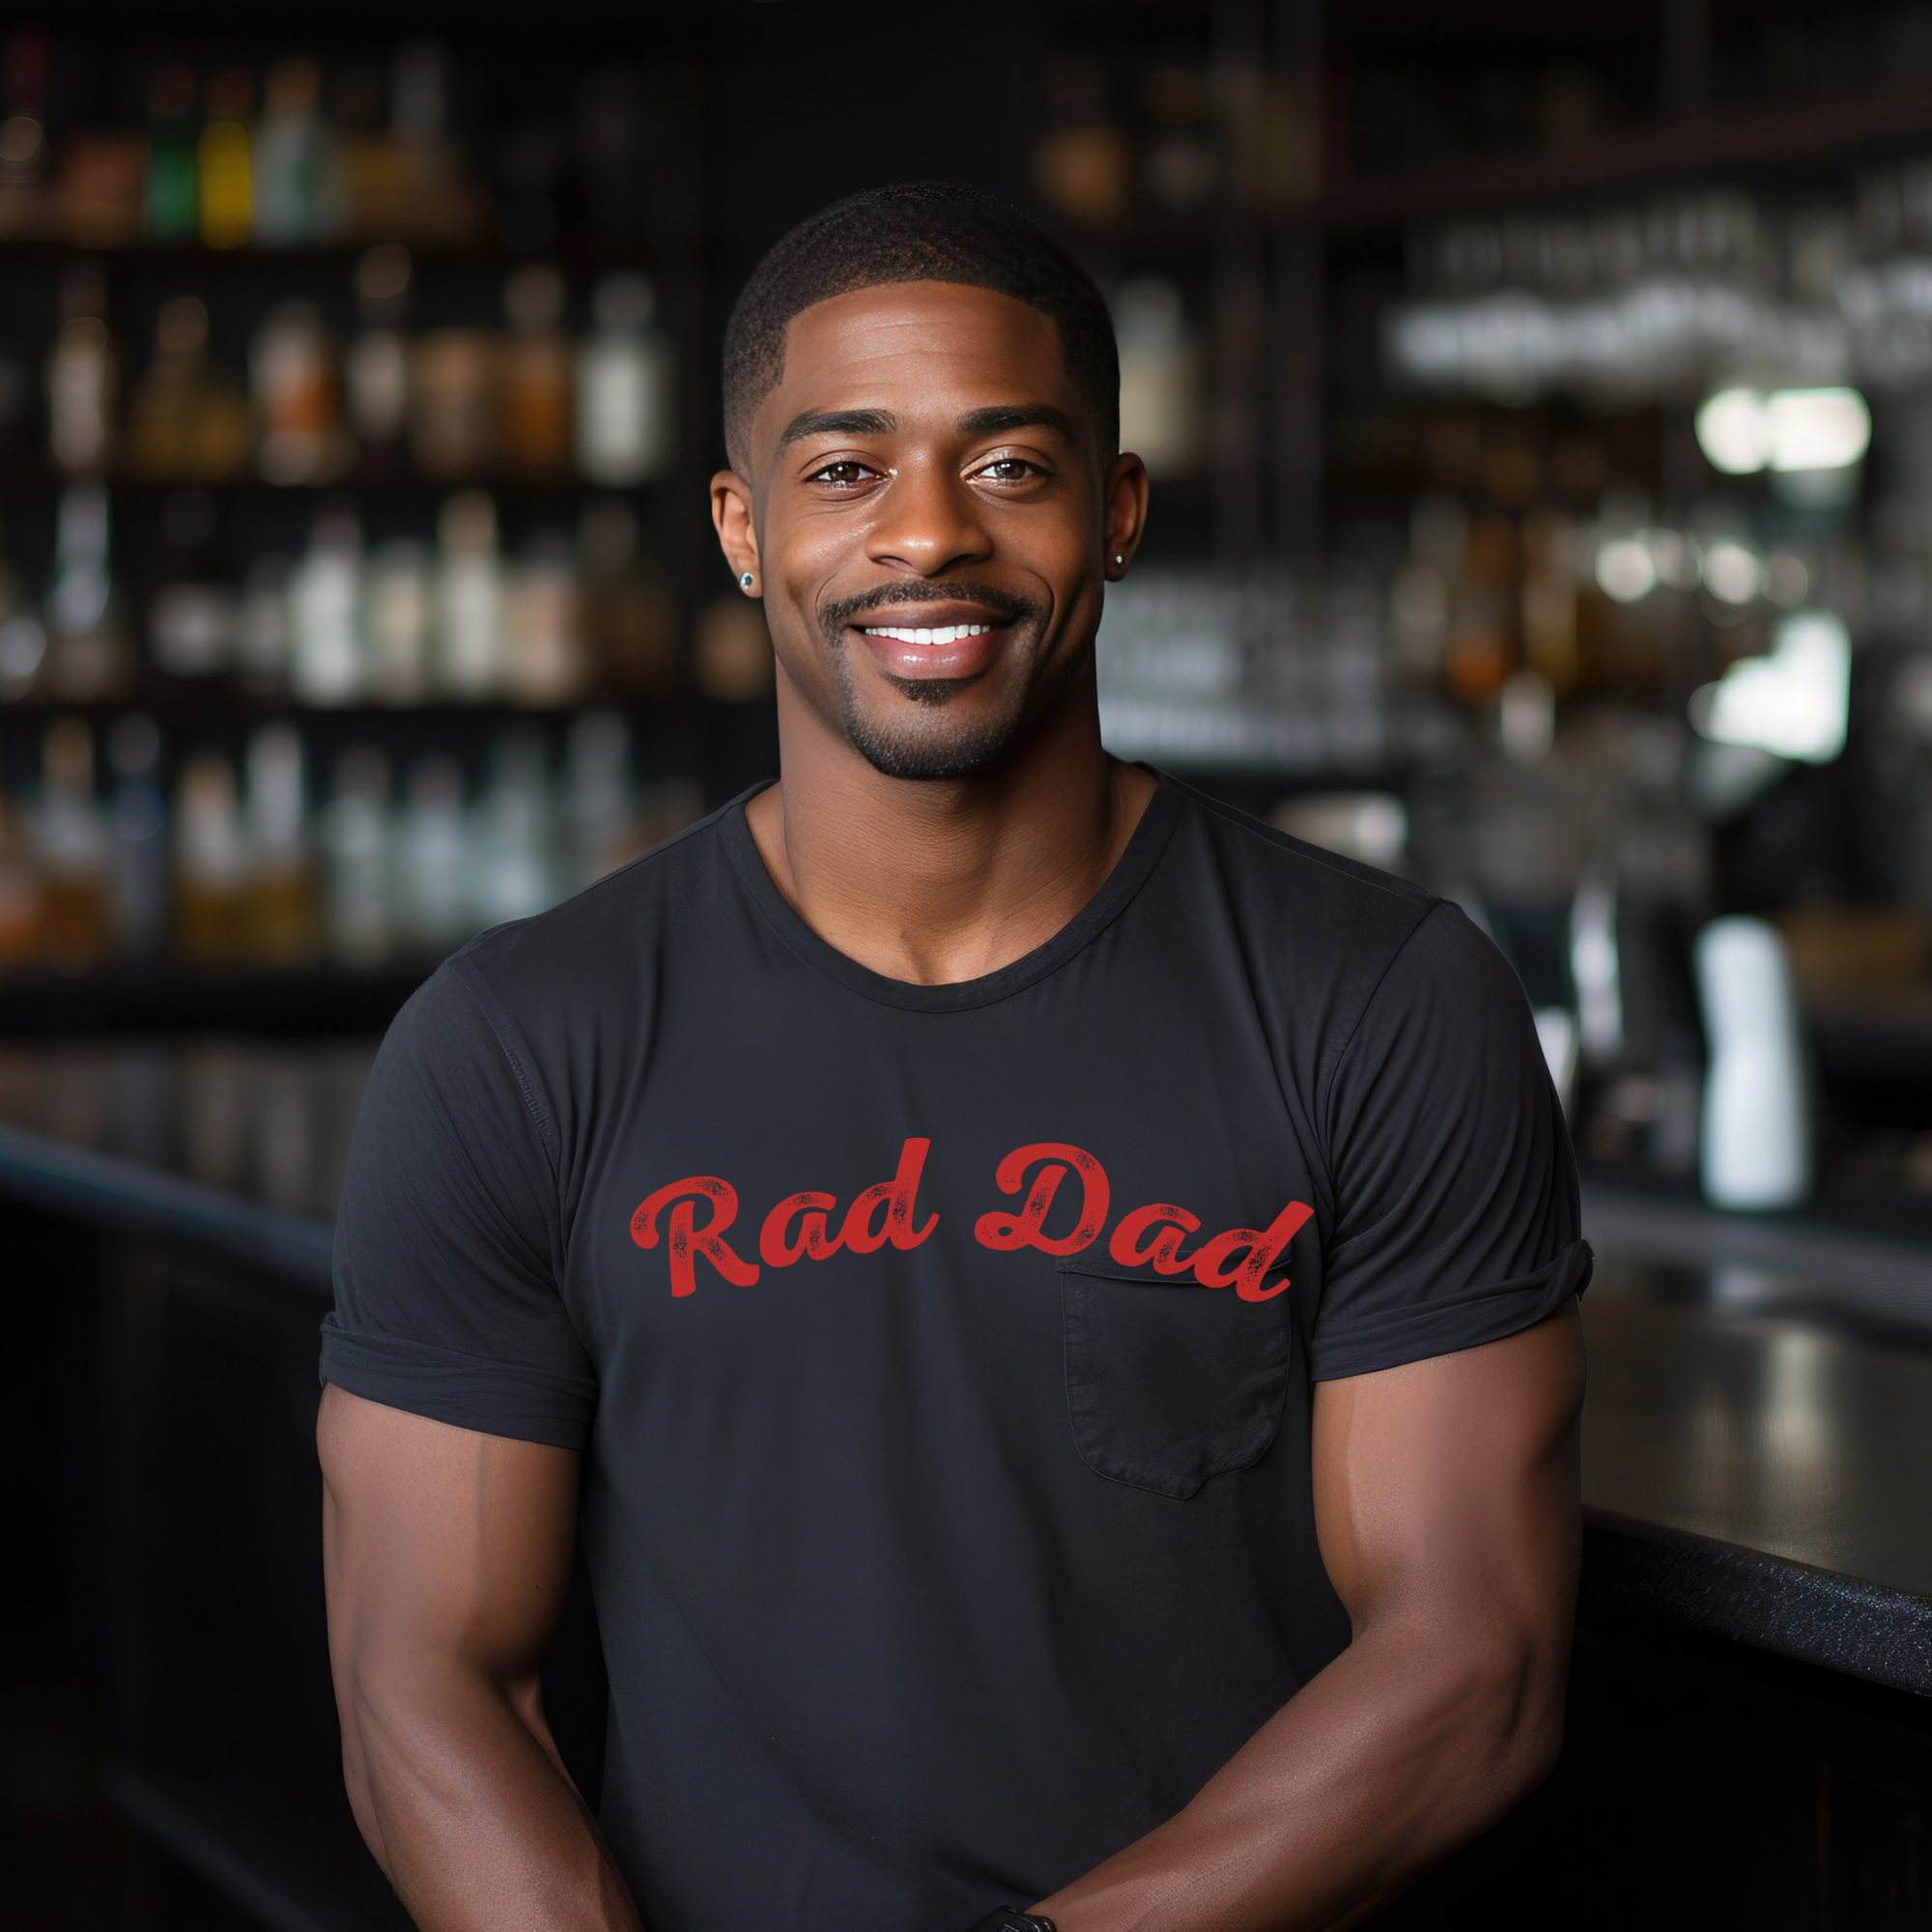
column 1052, row 1304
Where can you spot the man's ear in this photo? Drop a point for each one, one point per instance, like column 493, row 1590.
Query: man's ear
column 1126, row 512
column 737, row 535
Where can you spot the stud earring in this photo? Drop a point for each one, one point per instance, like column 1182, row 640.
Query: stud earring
column 745, row 581
column 1120, row 563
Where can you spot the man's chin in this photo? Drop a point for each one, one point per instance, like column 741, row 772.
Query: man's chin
column 939, row 742
column 934, row 692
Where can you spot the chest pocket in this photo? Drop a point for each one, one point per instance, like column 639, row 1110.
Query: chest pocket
column 1168, row 1384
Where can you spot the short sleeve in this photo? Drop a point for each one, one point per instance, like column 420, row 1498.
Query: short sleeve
column 1457, row 1219
column 447, row 1247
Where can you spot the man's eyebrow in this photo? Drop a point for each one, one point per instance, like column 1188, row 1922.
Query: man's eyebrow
column 838, row 422
column 1003, row 418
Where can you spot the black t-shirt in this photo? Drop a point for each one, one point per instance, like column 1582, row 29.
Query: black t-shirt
column 942, row 1356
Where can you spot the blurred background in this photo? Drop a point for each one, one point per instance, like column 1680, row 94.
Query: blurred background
column 1539, row 404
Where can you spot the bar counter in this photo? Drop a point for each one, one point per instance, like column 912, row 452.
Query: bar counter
column 1757, row 1435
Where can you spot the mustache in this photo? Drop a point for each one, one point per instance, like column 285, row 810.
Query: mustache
column 1004, row 605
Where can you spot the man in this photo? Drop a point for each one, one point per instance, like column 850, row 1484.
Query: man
column 1054, row 1302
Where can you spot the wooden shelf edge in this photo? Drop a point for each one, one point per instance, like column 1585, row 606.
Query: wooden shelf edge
column 1760, row 136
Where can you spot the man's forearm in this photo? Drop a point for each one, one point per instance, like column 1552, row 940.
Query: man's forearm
column 466, row 1808
column 1410, row 1742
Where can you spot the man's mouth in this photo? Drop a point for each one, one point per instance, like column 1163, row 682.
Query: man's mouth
column 912, row 653
column 925, row 636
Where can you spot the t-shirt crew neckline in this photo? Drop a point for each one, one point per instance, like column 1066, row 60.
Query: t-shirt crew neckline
column 1130, row 872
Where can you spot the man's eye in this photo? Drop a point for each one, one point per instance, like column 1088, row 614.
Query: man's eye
column 1010, row 469
column 843, row 475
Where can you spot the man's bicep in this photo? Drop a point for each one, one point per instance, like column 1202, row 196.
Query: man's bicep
column 441, row 1541
column 1454, row 1480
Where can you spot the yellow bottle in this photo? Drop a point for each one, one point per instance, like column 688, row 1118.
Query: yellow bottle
column 225, row 178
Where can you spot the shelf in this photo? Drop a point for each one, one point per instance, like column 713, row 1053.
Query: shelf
column 217, row 701
column 658, row 254
column 1769, row 136
column 164, row 996
column 19, row 481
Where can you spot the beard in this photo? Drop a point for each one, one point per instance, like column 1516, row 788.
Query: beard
column 922, row 743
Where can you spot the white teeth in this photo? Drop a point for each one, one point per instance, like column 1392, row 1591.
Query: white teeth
column 941, row 634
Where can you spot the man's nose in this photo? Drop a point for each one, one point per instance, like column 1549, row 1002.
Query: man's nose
column 929, row 521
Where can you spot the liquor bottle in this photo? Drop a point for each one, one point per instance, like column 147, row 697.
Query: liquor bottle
column 325, row 664
column 356, row 845
column 281, row 884
column 24, row 637
column 19, row 893
column 101, row 191
column 80, row 379
column 452, row 403
column 292, row 370
column 210, row 877
column 732, row 662
column 430, row 200
column 138, row 815
column 1757, row 1118
column 262, row 627
column 225, row 177
column 537, row 372
column 173, row 199
column 1083, row 166
column 376, row 365
column 408, row 182
column 399, row 608
column 192, row 613
column 1160, row 400
column 1181, row 169
column 168, row 431
column 624, row 415
column 543, row 636
column 469, row 600
column 72, row 843
column 290, row 159
column 433, row 860
column 630, row 618
column 599, row 802
column 87, row 657
column 25, row 156
column 1482, row 611
column 514, row 875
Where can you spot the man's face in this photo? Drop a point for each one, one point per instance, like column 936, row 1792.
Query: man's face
column 931, row 514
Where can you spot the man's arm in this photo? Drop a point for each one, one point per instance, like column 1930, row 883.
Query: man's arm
column 446, row 1555
column 1446, row 1505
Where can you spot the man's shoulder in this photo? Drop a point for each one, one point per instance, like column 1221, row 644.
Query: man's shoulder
column 1318, row 936
column 1273, row 874
column 601, row 934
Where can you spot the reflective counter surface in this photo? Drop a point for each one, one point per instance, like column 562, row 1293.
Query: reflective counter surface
column 1757, row 1454
column 233, row 1143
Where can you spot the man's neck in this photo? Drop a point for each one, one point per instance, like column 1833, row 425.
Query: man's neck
column 934, row 881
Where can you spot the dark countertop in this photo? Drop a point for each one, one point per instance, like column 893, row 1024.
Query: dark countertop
column 1757, row 1443
column 221, row 1143
column 1756, row 1452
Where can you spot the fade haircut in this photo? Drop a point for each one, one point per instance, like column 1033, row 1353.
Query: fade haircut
column 916, row 232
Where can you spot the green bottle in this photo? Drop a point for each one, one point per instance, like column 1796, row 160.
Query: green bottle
column 171, row 164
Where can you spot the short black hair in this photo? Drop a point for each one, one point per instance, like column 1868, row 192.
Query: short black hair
column 916, row 232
